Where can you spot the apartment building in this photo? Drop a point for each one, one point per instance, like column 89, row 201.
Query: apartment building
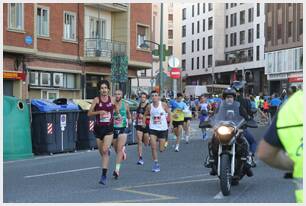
column 223, row 42
column 148, row 79
column 63, row 50
column 284, row 46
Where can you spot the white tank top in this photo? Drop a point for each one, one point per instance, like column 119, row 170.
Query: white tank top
column 158, row 118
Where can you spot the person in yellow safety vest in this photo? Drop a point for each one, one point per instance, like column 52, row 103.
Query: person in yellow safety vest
column 282, row 146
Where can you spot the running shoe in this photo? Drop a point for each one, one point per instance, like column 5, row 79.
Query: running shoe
column 187, row 139
column 140, row 162
column 102, row 180
column 156, row 167
column 116, row 174
column 177, row 148
column 166, row 144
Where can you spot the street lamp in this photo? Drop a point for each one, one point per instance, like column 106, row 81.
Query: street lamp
column 144, row 45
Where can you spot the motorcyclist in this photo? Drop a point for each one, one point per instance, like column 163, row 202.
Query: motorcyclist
column 229, row 96
column 247, row 113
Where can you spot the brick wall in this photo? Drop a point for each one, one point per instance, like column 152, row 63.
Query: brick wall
column 140, row 13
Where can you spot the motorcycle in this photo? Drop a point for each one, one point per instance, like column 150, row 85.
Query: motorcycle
column 228, row 149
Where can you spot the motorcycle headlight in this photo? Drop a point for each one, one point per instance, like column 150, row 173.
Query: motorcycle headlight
column 225, row 134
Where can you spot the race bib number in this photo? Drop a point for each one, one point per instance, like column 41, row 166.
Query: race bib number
column 105, row 117
column 118, row 121
column 156, row 119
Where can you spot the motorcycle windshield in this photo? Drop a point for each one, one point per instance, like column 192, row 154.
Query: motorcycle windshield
column 227, row 113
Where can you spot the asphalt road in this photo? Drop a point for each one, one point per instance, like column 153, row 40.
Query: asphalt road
column 74, row 177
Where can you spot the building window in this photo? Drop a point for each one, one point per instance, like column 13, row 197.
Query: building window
column 289, row 28
column 198, row 8
column 170, row 34
column 233, row 39
column 170, row 49
column 242, row 37
column 203, row 62
column 70, row 83
column 198, row 44
column 250, row 54
column 142, row 34
column 226, row 21
column 184, row 13
column 250, row 36
column 192, row 10
column 226, row 6
column 184, row 48
column 192, row 63
column 45, row 79
column 69, row 26
column 242, row 17
column 170, row 17
column 97, row 28
column 226, row 41
column 258, row 31
column 210, row 23
column 16, row 16
column 198, row 62
column 257, row 53
column 198, row 24
column 184, row 64
column 258, row 9
column 49, row 94
column 42, row 25
column 251, row 14
column 233, row 20
column 192, row 28
column 209, row 63
column 203, row 24
column 203, row 43
column 192, row 46
column 203, row 8
column 279, row 31
column 33, row 78
column 210, row 42
column 184, row 31
column 301, row 27
column 210, row 6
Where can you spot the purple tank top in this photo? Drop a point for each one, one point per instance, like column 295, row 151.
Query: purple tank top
column 107, row 119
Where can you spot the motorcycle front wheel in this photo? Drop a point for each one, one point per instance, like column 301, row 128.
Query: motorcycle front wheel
column 225, row 174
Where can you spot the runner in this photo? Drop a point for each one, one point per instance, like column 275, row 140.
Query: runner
column 103, row 108
column 177, row 107
column 203, row 109
column 158, row 128
column 120, row 130
column 187, row 119
column 142, row 133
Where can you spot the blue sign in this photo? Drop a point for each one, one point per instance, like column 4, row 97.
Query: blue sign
column 28, row 40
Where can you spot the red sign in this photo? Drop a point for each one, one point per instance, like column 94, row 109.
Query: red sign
column 295, row 79
column 175, row 73
column 14, row 75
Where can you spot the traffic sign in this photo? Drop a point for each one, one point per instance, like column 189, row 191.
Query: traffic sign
column 175, row 73
column 28, row 40
column 173, row 61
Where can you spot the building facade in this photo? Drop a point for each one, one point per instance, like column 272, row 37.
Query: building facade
column 223, row 42
column 284, row 46
column 63, row 50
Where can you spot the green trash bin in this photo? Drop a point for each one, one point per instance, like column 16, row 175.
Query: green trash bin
column 17, row 142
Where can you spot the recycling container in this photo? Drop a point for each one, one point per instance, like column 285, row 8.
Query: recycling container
column 54, row 126
column 85, row 136
column 16, row 129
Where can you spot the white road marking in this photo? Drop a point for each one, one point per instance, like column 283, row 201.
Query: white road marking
column 61, row 172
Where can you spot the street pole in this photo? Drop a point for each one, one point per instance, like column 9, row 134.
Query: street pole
column 161, row 53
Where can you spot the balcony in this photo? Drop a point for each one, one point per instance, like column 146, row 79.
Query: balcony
column 112, row 7
column 233, row 61
column 97, row 47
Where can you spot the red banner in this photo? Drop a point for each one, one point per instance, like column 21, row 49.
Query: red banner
column 14, row 75
column 295, row 79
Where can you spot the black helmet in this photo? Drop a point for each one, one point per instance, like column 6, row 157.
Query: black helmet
column 229, row 91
